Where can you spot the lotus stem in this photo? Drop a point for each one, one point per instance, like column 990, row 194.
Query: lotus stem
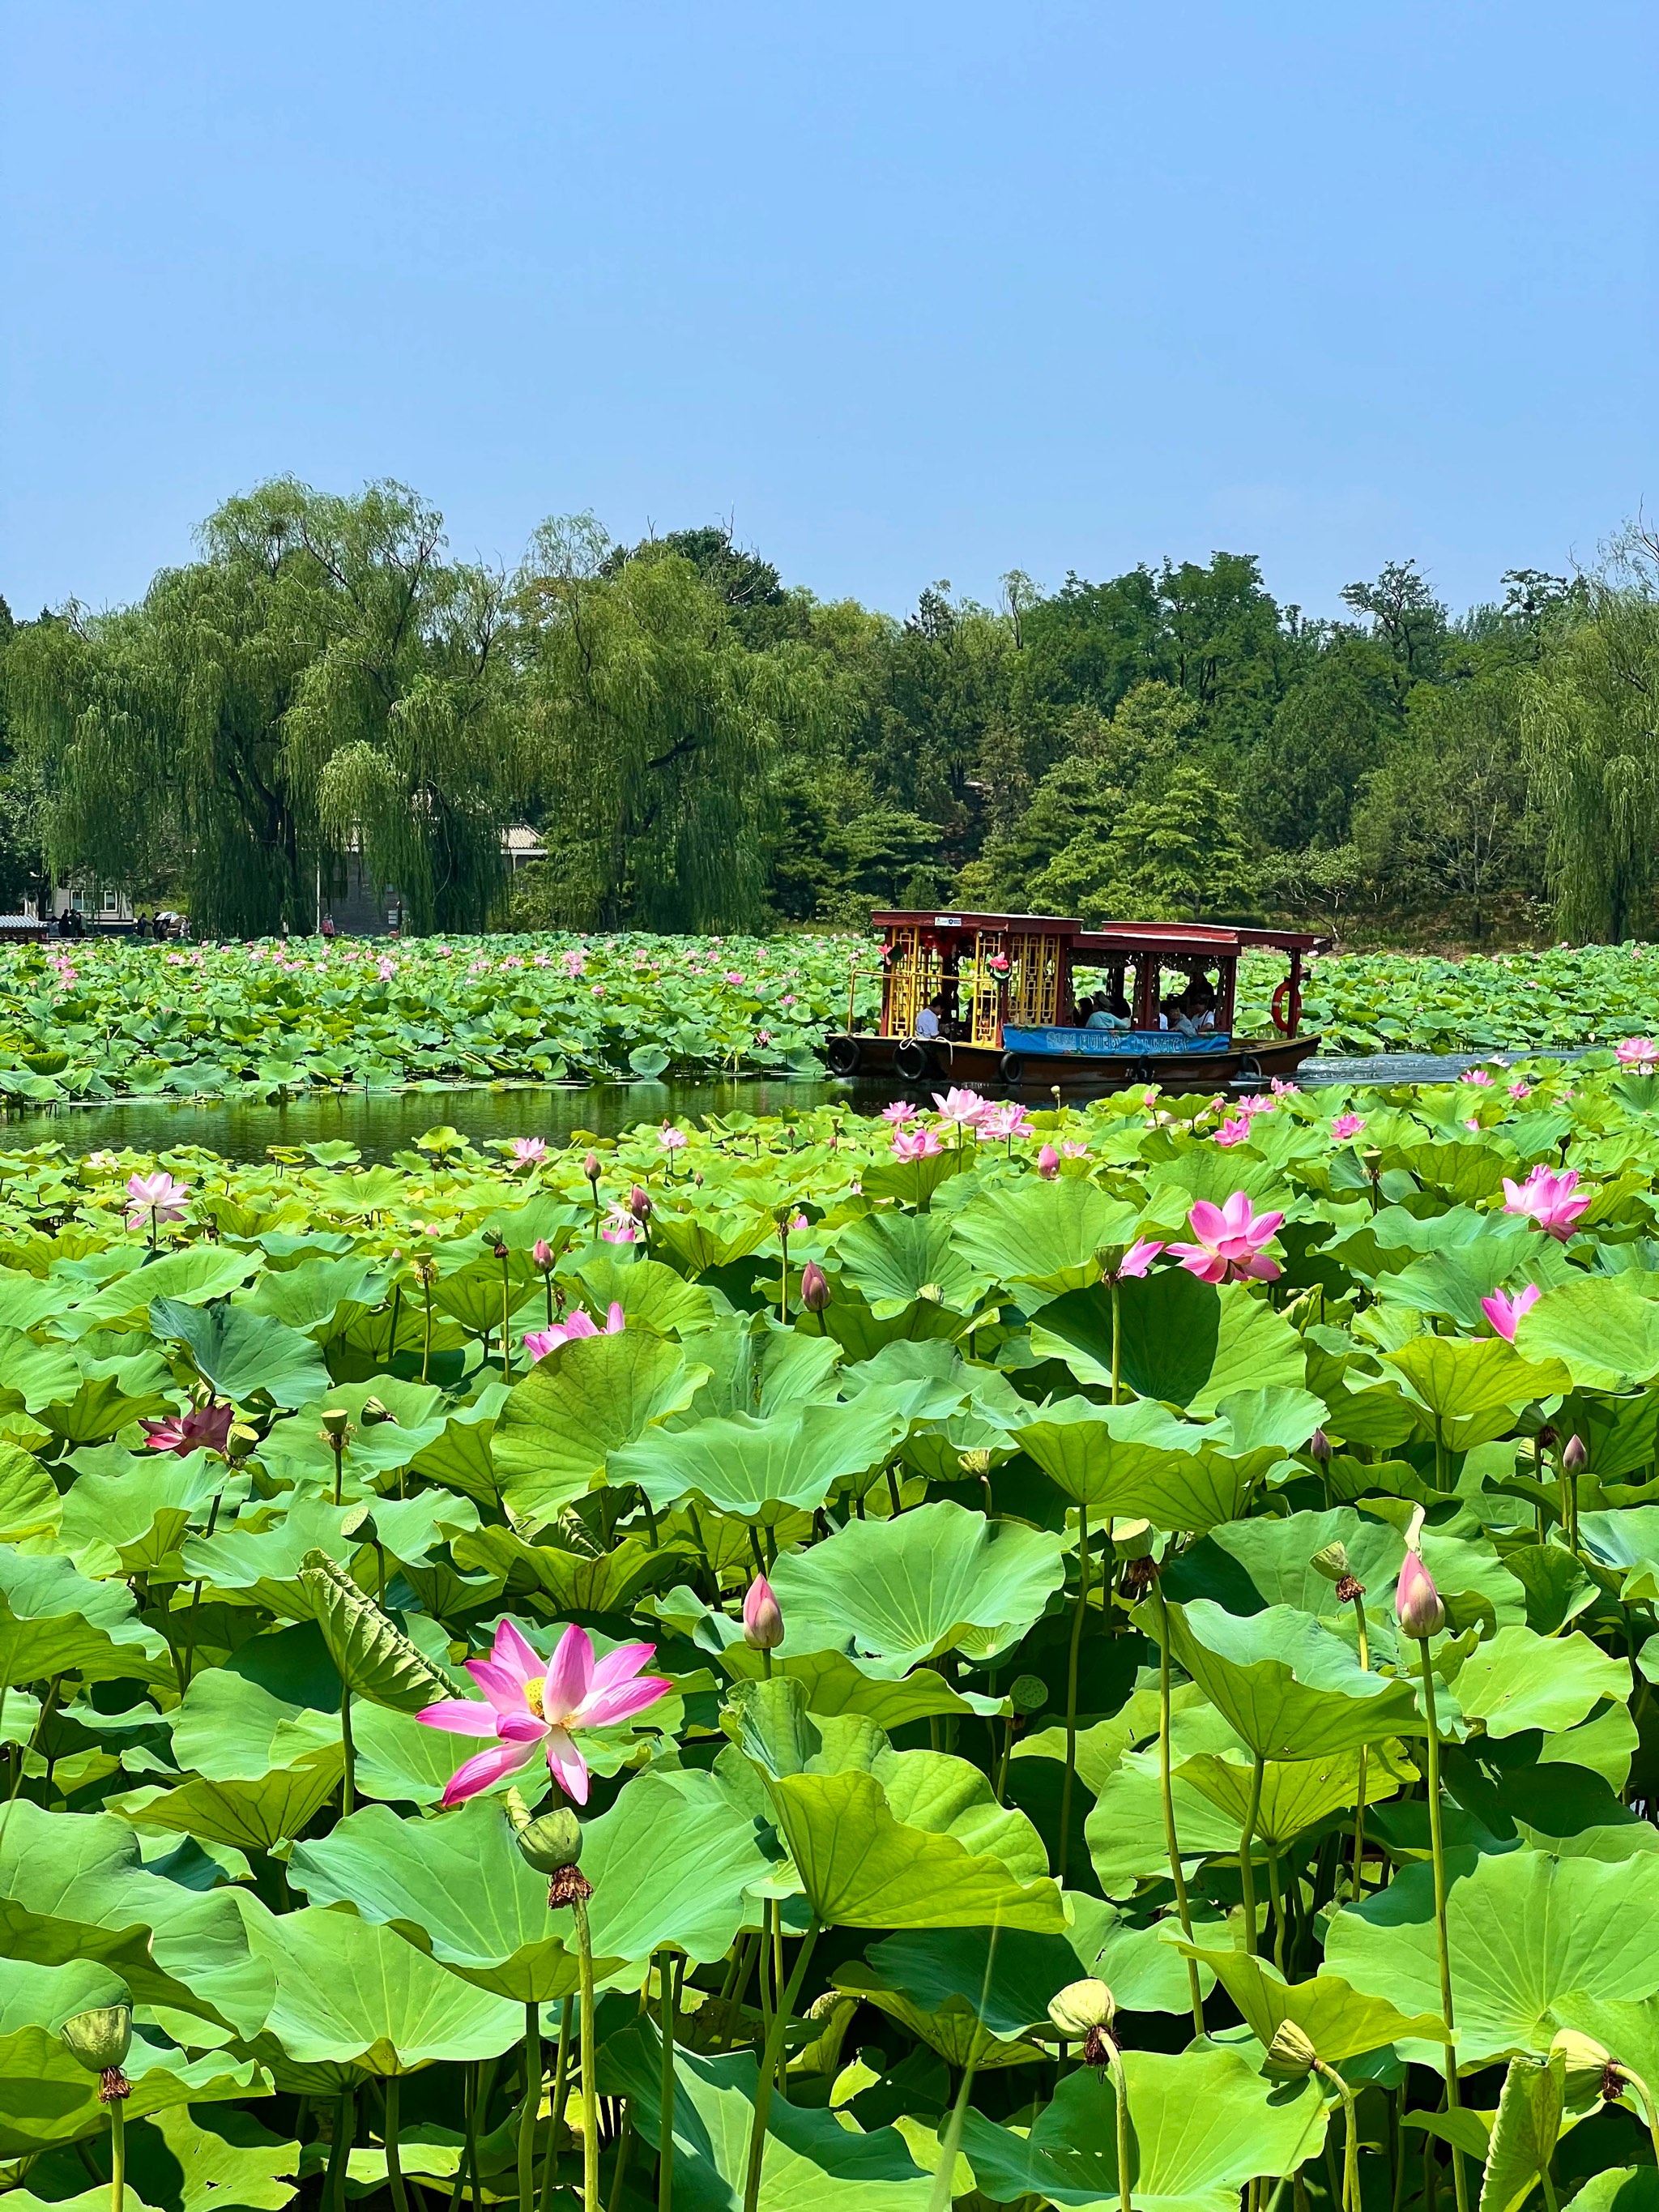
column 781, row 2013
column 1644, row 2097
column 1349, row 2136
column 345, row 2126
column 533, row 2105
column 1359, row 1809
column 1166, row 1788
column 1070, row 1688
column 561, row 2089
column 506, row 1316
column 590, row 2085
column 1117, row 1339
column 394, row 2172
column 1121, row 2113
column 1437, row 1847
column 349, row 1773
column 118, row 2154
column 665, row 2089
column 1246, row 1843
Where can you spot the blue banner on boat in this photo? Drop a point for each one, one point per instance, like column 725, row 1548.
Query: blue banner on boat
column 1106, row 1044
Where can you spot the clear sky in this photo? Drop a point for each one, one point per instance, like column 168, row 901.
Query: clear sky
column 906, row 291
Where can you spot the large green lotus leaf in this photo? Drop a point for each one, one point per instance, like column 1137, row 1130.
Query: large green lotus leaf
column 1202, row 2125
column 810, row 2163
column 299, row 1451
column 835, row 1684
column 1297, row 1794
column 371, row 1654
column 72, row 1887
column 1531, row 2109
column 952, row 2028
column 103, row 1405
column 144, row 1511
column 763, row 1468
column 35, row 1376
column 352, row 1993
column 261, row 1566
column 29, row 1503
column 894, row 1259
column 1289, row 1688
column 653, row 1296
column 1519, row 1680
column 456, row 1887
column 890, row 1592
column 1620, row 2189
column 1340, row 2023
column 402, row 1762
column 32, row 1995
column 181, row 2163
column 53, row 1620
column 703, row 1240
column 1047, row 1233
column 1455, row 1378
column 243, row 1354
column 1188, row 1343
column 1627, row 1540
column 1528, row 1934
column 231, row 1729
column 249, row 1815
column 319, row 1295
column 763, row 1369
column 195, row 1275
column 46, row 2096
column 1137, row 1458
column 564, row 1582
column 861, row 1868
column 585, row 1400
column 1600, row 1329
column 1005, row 1978
column 671, row 1863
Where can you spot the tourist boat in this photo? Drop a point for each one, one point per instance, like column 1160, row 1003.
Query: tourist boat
column 1004, row 989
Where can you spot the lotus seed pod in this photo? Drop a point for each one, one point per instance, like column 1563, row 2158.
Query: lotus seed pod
column 335, row 1423
column 359, row 1526
column 1574, row 1457
column 1330, row 1560
column 241, row 1440
column 814, row 1287
column 1584, row 2066
column 974, row 1463
column 1290, row 2055
column 375, row 1413
column 1029, row 1694
column 1319, row 1447
column 1081, row 2006
column 549, row 1843
column 99, row 2039
column 1416, row 1599
column 762, row 1617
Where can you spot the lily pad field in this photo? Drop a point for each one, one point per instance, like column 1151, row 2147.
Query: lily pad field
column 1101, row 1658
column 103, row 1018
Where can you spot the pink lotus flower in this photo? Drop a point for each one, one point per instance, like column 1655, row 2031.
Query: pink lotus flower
column 1550, row 1198
column 529, row 1701
column 1283, row 1089
column 538, row 1342
column 1504, row 1312
column 762, row 1617
column 1072, row 1150
column 1235, row 1132
column 1256, row 1103
column 670, row 1138
column 1230, row 1241
column 529, row 1152
column 541, row 1253
column 620, row 1227
column 154, row 1198
column 900, row 1111
column 1007, row 1120
column 1519, row 1090
column 916, row 1143
column 203, row 1428
column 1640, row 1053
column 762, row 1037
column 965, row 1109
column 1048, row 1163
column 1346, row 1125
column 596, row 990
column 575, row 962
column 1416, row 1601
column 386, row 968
column 734, row 977
column 1136, row 1261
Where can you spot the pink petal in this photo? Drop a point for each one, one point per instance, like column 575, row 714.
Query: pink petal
column 515, row 1655
column 567, row 1765
column 489, row 1766
column 616, row 1320
column 602, row 1708
column 570, row 1674
column 1208, row 1222
column 521, row 1726
column 1237, row 1214
column 500, row 1685
column 1208, row 1267
column 620, row 1666
column 460, row 1716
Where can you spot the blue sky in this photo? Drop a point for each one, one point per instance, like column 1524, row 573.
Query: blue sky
column 907, row 291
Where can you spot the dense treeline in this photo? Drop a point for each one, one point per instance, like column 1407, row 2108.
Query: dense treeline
column 702, row 746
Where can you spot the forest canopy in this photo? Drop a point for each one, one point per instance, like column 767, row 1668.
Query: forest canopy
column 702, row 746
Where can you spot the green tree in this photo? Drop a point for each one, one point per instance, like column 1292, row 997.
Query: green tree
column 1405, row 616
column 1330, row 731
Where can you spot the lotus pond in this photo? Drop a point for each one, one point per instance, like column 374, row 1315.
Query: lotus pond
column 1091, row 1659
column 103, row 1018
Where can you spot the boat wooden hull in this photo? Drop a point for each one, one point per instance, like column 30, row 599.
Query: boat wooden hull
column 1245, row 1063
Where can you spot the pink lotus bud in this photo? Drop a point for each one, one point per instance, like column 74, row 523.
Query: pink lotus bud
column 814, row 1287
column 1574, row 1457
column 1319, row 1447
column 591, row 1167
column 762, row 1620
column 639, row 1204
column 541, row 1253
column 1416, row 1599
column 1048, row 1163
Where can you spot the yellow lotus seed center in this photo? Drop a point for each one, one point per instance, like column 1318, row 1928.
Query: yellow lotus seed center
column 532, row 1695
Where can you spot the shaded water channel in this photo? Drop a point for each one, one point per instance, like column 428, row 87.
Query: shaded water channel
column 382, row 1123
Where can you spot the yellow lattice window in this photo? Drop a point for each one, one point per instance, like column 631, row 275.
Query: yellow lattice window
column 1034, row 986
column 915, row 973
column 980, row 989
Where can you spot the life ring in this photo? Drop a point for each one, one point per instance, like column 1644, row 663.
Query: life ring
column 1012, row 1067
column 1287, row 1008
column 912, row 1060
column 842, row 1055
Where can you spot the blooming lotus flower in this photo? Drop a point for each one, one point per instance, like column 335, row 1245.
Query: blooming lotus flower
column 965, row 1109
column 203, row 1428
column 1640, row 1053
column 1479, row 1076
column 529, row 1152
column 734, row 977
column 1504, row 1312
column 1283, row 1089
column 538, row 1342
column 1230, row 1241
column 386, row 968
column 155, row 1197
column 1519, row 1090
column 900, row 1111
column 1136, row 1261
column 1233, row 1132
column 1072, row 1150
column 916, row 1143
column 1007, row 1120
column 1257, row 1102
column 670, row 1138
column 619, row 1226
column 1048, row 1163
column 1550, row 1198
column 1346, row 1125
column 574, row 963
column 762, row 1617
column 529, row 1701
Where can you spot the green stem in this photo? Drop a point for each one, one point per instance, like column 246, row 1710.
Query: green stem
column 590, row 2085
column 1117, row 1339
column 345, row 2126
column 506, row 1318
column 394, row 2172
column 1246, row 1855
column 1349, row 2136
column 348, row 1777
column 561, row 2089
column 780, row 2017
column 1437, row 1846
column 118, row 2154
column 1359, row 1809
column 1120, row 2108
column 665, row 2090
column 951, row 2142
column 1070, row 1688
column 533, row 2106
column 1166, row 1788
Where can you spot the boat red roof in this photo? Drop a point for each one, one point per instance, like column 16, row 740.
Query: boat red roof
column 1117, row 937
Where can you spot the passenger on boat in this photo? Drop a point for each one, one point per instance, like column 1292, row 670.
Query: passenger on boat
column 1098, row 1014
column 927, row 1021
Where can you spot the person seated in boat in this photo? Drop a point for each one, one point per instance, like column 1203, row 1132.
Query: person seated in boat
column 927, row 1021
column 1201, row 1002
column 1186, row 1013
column 1098, row 1014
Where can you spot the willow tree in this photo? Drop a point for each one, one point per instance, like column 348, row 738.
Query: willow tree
column 321, row 680
column 657, row 734
column 1591, row 731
